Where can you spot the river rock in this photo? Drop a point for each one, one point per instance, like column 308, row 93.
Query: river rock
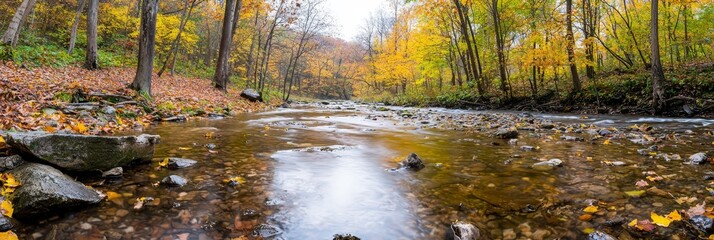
column 174, row 181
column 505, row 133
column 548, row 164
column 84, row 153
column 178, row 163
column 465, row 231
column 572, row 138
column 5, row 224
column 10, row 163
column 528, row 148
column 251, row 95
column 698, row 158
column 45, row 189
column 413, row 162
column 703, row 223
column 604, row 132
column 598, row 235
column 114, row 172
column 344, row 237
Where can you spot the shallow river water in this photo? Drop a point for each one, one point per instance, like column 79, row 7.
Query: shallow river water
column 313, row 171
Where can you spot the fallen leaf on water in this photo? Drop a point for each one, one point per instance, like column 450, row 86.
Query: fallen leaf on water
column 635, row 193
column 590, row 209
column 588, row 230
column 113, row 195
column 606, row 142
column 9, row 235
column 641, row 184
column 164, row 162
column 209, row 135
column 585, row 217
column 2, row 140
column 184, row 148
column 674, row 216
column 696, row 210
column 644, row 225
column 6, row 208
column 682, row 200
column 660, row 220
column 655, row 178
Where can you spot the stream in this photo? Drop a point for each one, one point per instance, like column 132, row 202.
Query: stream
column 315, row 170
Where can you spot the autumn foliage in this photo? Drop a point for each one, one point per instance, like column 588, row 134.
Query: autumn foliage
column 27, row 96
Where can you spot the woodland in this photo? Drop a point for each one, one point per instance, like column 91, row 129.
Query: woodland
column 536, row 54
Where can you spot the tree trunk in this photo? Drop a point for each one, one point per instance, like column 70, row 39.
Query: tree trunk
column 499, row 46
column 571, row 46
column 147, row 42
column 657, row 72
column 91, row 62
column 175, row 44
column 14, row 28
column 465, row 34
column 220, row 79
column 75, row 25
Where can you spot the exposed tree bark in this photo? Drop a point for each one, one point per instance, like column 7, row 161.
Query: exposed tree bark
column 220, row 79
column 657, row 72
column 13, row 30
column 147, row 43
column 466, row 36
column 75, row 25
column 500, row 48
column 91, row 61
column 571, row 46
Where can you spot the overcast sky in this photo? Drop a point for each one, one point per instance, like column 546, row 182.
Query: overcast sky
column 350, row 15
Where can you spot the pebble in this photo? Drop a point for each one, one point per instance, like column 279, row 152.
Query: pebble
column 85, row 226
column 540, row 234
column 122, row 212
column 509, row 234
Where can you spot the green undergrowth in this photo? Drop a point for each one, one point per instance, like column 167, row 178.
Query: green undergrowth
column 613, row 89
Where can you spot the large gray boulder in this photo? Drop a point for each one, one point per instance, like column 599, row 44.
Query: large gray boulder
column 252, row 95
column 81, row 153
column 45, row 189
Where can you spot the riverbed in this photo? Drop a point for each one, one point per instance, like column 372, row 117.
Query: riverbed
column 315, row 170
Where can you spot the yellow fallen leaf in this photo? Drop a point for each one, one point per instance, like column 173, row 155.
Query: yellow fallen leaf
column 636, row 193
column 674, row 216
column 660, row 220
column 6, row 208
column 590, row 209
column 711, row 237
column 119, row 121
column 588, row 230
column 113, row 195
column 7, row 191
column 80, row 128
column 164, row 162
column 184, row 148
column 235, row 179
column 2, row 140
column 633, row 223
column 9, row 181
column 9, row 235
column 606, row 142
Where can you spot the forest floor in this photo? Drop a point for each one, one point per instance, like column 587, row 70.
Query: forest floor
column 73, row 99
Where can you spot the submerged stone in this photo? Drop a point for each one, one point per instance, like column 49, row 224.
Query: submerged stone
column 698, row 158
column 174, row 181
column 45, row 189
column 465, row 231
column 545, row 165
column 114, row 172
column 703, row 223
column 413, row 162
column 5, row 224
column 505, row 133
column 178, row 163
column 344, row 237
column 598, row 235
column 83, row 153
